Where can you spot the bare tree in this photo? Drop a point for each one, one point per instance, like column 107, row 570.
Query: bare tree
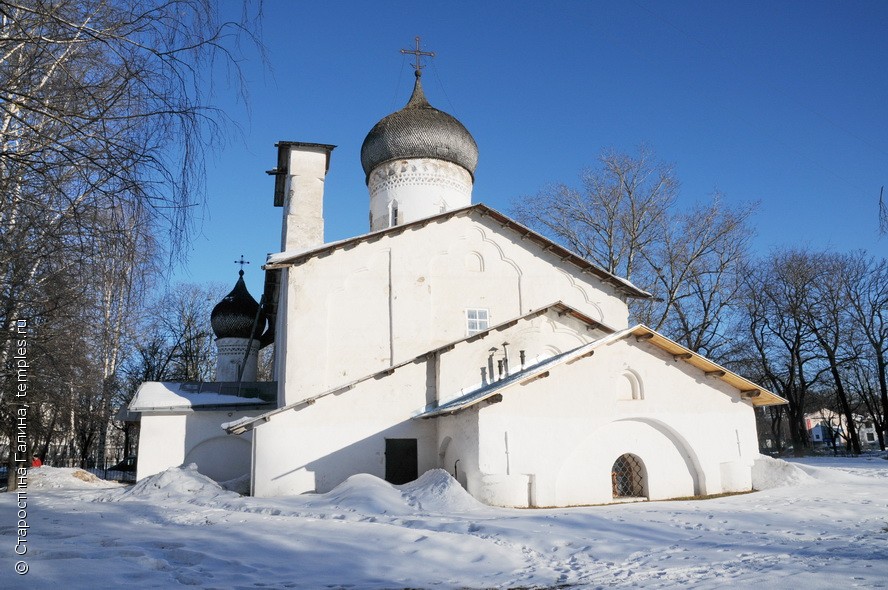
column 625, row 220
column 696, row 278
column 866, row 291
column 883, row 213
column 176, row 341
column 777, row 291
column 621, row 211
column 105, row 112
column 863, row 380
column 824, row 312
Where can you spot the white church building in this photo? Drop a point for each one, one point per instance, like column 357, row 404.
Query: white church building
column 452, row 337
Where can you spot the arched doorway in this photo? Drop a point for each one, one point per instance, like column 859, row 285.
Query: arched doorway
column 628, row 477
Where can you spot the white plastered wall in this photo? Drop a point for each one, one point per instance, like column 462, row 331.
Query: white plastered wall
column 172, row 439
column 389, row 299
column 468, row 365
column 303, row 220
column 418, row 187
column 458, row 446
column 553, row 442
column 318, row 447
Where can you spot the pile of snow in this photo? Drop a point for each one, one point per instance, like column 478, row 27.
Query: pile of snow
column 437, row 491
column 184, row 481
column 434, row 492
column 815, row 536
column 65, row 477
column 239, row 485
column 365, row 494
column 768, row 473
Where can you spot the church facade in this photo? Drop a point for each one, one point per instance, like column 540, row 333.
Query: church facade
column 451, row 336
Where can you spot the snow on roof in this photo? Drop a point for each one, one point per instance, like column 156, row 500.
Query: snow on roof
column 157, row 396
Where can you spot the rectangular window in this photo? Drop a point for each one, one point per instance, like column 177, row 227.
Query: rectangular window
column 477, row 320
column 870, row 437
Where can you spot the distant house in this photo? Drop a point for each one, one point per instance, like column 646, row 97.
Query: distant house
column 827, row 428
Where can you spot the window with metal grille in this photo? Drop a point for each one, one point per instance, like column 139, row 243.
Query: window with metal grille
column 627, row 477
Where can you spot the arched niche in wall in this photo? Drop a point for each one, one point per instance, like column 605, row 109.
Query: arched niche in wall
column 221, row 458
column 474, row 262
column 630, row 386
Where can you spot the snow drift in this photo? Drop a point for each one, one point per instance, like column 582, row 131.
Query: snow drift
column 66, row 478
column 768, row 473
column 185, row 481
column 437, row 491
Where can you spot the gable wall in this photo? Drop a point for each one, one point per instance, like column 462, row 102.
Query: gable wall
column 359, row 310
column 560, row 436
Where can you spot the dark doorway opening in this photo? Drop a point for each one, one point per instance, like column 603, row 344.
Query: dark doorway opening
column 401, row 460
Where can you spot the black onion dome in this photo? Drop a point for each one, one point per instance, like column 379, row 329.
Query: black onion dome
column 233, row 317
column 419, row 130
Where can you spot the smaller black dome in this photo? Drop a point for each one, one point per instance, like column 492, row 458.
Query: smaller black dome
column 233, row 317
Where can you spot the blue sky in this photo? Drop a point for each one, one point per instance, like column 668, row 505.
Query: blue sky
column 783, row 103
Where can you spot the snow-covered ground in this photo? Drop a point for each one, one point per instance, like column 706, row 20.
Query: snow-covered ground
column 821, row 523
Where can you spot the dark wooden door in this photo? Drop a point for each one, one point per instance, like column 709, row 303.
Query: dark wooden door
column 401, row 460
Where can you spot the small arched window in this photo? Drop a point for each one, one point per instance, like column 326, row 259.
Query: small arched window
column 393, row 213
column 628, row 477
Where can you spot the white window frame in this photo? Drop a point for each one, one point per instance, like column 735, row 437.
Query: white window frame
column 477, row 320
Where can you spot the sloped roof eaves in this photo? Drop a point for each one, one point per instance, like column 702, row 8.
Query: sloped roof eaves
column 282, row 259
column 698, row 361
column 207, row 408
column 763, row 396
column 557, row 306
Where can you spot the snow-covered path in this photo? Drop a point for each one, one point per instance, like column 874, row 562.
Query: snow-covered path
column 828, row 528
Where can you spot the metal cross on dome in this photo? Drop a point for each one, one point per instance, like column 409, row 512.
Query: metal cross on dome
column 242, row 262
column 418, row 53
